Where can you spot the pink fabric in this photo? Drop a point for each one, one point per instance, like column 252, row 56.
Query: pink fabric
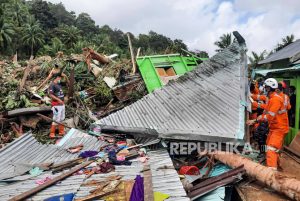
column 42, row 181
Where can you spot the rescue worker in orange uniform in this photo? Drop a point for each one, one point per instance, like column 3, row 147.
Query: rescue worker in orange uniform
column 286, row 102
column 254, row 90
column 276, row 121
column 259, row 130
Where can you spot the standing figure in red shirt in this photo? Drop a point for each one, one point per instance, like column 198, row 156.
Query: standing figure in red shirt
column 58, row 106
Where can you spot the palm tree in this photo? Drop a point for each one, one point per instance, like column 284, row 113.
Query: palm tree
column 255, row 58
column 69, row 35
column 33, row 35
column 6, row 33
column 285, row 42
column 17, row 12
column 224, row 41
column 56, row 46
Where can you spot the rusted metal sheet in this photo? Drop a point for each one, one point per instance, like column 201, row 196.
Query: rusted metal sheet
column 215, row 182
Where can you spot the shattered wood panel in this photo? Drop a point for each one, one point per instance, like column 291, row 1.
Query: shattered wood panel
column 123, row 91
column 204, row 104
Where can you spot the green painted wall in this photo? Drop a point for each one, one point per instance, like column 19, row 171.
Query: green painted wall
column 148, row 64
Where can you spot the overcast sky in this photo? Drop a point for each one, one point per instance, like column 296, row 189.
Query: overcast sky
column 199, row 23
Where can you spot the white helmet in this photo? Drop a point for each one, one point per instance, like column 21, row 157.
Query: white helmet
column 271, row 82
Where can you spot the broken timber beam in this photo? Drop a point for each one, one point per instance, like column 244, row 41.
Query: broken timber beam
column 37, row 189
column 26, row 73
column 25, row 111
column 278, row 181
column 131, row 54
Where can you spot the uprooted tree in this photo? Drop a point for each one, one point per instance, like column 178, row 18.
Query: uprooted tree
column 276, row 180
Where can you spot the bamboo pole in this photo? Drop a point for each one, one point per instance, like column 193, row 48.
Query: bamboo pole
column 132, row 55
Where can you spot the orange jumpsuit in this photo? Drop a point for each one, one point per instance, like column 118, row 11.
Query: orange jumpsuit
column 260, row 102
column 287, row 106
column 254, row 107
column 277, row 127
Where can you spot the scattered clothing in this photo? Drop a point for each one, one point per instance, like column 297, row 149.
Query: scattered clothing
column 104, row 168
column 87, row 154
column 65, row 197
column 101, row 154
column 42, row 181
column 158, row 196
column 35, row 171
column 75, row 149
column 111, row 148
column 137, row 193
column 143, row 159
column 121, row 158
column 113, row 159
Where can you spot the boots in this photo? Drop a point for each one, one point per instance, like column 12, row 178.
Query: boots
column 61, row 129
column 52, row 131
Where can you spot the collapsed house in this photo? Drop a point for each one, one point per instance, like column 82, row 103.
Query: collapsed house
column 206, row 104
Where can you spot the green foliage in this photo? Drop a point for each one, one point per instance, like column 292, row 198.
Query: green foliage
column 285, row 42
column 224, row 41
column 61, row 15
column 86, row 24
column 41, row 11
column 33, row 35
column 69, row 35
column 255, row 58
column 103, row 92
column 6, row 33
column 27, row 27
column 51, row 50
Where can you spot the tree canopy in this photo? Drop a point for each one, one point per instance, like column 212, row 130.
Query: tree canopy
column 40, row 27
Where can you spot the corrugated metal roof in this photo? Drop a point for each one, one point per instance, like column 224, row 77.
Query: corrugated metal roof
column 163, row 180
column 285, row 53
column 204, row 104
column 265, row 72
column 26, row 150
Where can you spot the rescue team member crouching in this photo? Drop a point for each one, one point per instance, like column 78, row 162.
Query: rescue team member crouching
column 58, row 106
column 277, row 123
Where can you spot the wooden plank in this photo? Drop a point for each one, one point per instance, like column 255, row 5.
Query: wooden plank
column 37, row 189
column 25, row 111
column 148, row 187
column 132, row 55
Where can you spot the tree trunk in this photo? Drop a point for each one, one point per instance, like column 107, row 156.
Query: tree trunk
column 31, row 49
column 276, row 180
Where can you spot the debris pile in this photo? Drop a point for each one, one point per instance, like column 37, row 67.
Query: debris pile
column 91, row 93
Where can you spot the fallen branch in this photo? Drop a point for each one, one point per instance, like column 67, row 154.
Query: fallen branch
column 276, row 180
column 35, row 190
column 26, row 73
